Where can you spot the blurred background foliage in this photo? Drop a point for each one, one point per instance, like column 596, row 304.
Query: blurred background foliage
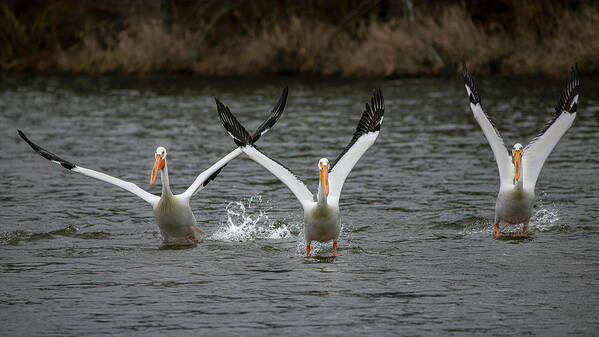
column 348, row 38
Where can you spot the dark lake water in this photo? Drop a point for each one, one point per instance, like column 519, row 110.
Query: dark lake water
column 416, row 253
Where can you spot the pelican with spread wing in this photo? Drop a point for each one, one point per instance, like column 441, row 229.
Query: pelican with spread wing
column 322, row 221
column 518, row 173
column 172, row 212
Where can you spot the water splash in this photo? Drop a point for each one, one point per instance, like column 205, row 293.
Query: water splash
column 248, row 220
column 547, row 218
column 478, row 226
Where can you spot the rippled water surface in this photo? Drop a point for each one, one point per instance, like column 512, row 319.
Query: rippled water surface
column 417, row 255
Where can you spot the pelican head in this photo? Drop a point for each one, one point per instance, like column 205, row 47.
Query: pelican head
column 517, row 160
column 323, row 166
column 159, row 164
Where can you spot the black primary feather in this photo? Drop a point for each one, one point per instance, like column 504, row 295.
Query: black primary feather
column 233, row 127
column 213, row 176
column 570, row 91
column 371, row 120
column 276, row 112
column 566, row 101
column 47, row 154
column 474, row 95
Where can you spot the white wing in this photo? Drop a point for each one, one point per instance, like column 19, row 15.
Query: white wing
column 131, row 187
column 208, row 175
column 537, row 151
column 502, row 157
column 285, row 175
column 365, row 135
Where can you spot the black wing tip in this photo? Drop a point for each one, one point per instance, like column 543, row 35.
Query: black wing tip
column 377, row 104
column 221, row 110
column 219, row 104
column 283, row 99
column 274, row 116
column 34, row 146
column 474, row 95
column 574, row 76
column 377, row 101
column 25, row 138
column 569, row 99
column 281, row 103
column 45, row 153
column 234, row 128
column 371, row 121
column 372, row 118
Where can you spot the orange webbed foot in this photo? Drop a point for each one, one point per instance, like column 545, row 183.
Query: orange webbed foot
column 497, row 232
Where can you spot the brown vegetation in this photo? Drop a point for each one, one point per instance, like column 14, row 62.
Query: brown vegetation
column 348, row 38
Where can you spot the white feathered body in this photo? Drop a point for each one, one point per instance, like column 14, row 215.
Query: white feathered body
column 514, row 204
column 322, row 223
column 175, row 220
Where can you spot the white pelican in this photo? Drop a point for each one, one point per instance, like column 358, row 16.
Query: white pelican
column 518, row 173
column 322, row 221
column 172, row 212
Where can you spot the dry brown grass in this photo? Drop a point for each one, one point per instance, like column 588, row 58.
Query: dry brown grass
column 576, row 39
column 542, row 38
column 295, row 46
column 143, row 47
column 386, row 49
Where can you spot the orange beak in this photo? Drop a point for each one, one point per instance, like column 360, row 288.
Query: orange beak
column 324, row 179
column 158, row 165
column 517, row 161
